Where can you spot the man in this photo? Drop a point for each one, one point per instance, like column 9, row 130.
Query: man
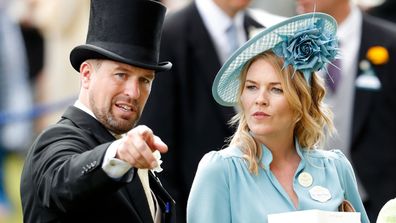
column 182, row 110
column 386, row 10
column 364, row 102
column 76, row 170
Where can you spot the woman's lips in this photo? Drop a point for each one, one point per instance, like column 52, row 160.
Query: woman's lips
column 260, row 115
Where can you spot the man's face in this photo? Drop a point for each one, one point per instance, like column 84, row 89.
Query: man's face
column 326, row 6
column 116, row 93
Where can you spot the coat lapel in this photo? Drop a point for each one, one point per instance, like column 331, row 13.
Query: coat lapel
column 206, row 58
column 137, row 197
column 133, row 194
column 86, row 121
column 165, row 201
column 363, row 98
column 205, row 54
column 250, row 24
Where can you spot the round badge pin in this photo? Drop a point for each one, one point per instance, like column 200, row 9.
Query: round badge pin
column 320, row 194
column 305, row 179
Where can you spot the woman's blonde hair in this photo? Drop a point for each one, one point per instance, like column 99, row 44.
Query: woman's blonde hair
column 312, row 116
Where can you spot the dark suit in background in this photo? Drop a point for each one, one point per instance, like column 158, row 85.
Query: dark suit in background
column 386, row 10
column 70, row 198
column 373, row 144
column 181, row 109
column 364, row 103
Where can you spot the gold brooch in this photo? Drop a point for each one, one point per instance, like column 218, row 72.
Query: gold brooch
column 378, row 55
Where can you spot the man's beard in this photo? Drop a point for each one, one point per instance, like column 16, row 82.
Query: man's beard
column 108, row 119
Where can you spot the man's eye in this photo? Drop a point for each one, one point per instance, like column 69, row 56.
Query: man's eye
column 146, row 81
column 121, row 75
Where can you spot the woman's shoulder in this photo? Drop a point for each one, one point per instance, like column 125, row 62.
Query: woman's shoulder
column 333, row 157
column 334, row 154
column 230, row 152
column 220, row 158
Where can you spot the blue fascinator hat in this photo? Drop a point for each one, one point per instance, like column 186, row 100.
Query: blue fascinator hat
column 307, row 42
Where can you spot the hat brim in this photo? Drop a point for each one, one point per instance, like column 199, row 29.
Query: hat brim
column 226, row 83
column 84, row 52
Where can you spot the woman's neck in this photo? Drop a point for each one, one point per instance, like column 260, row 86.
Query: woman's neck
column 282, row 148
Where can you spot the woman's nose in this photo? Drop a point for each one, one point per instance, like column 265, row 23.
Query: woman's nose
column 262, row 98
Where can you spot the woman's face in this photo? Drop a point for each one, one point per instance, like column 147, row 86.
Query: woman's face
column 265, row 106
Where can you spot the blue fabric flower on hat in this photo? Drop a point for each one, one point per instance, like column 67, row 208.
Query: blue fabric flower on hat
column 308, row 50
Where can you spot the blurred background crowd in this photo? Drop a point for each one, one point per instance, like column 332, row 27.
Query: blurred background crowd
column 37, row 81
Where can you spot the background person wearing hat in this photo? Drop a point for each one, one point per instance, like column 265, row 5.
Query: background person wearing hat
column 76, row 170
column 273, row 162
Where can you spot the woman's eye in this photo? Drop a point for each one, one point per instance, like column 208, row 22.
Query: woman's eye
column 277, row 90
column 250, row 87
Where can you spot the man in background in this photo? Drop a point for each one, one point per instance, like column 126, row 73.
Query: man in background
column 362, row 97
column 387, row 10
column 197, row 39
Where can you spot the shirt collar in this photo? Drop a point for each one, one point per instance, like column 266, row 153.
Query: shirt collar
column 351, row 26
column 78, row 104
column 267, row 155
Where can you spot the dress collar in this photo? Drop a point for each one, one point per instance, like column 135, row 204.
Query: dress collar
column 267, row 155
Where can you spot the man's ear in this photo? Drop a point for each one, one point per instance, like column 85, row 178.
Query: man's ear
column 86, row 71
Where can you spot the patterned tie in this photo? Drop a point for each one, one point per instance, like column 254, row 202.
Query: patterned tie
column 232, row 37
column 334, row 77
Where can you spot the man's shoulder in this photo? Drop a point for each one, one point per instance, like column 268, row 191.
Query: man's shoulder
column 377, row 24
column 264, row 18
column 181, row 16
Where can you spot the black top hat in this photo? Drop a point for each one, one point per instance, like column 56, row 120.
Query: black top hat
column 127, row 31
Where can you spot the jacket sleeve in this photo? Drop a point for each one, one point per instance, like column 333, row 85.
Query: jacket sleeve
column 65, row 166
column 209, row 199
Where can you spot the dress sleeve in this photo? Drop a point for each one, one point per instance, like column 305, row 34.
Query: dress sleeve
column 209, row 199
column 349, row 184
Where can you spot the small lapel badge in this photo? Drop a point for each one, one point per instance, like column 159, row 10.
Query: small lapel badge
column 320, row 194
column 305, row 179
column 368, row 79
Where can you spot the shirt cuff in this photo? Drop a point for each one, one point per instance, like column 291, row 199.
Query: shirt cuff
column 113, row 167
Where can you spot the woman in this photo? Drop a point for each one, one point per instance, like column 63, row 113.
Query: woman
column 273, row 162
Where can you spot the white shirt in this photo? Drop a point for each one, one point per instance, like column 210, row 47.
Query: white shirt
column 217, row 22
column 349, row 33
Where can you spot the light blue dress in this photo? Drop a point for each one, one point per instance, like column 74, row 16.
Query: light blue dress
column 225, row 191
